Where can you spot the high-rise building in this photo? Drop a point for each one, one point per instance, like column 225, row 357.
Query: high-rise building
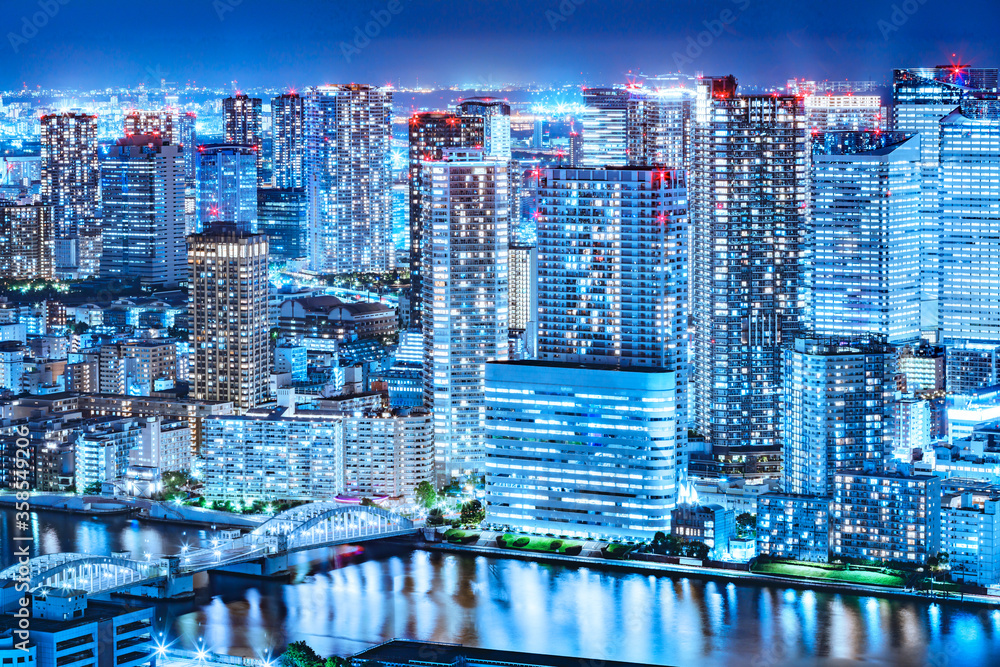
column 496, row 124
column 836, row 113
column 658, row 127
column 430, row 134
column 142, row 193
column 465, row 296
column 228, row 315
column 242, row 120
column 969, row 167
column 27, row 250
column 349, row 178
column 972, row 366
column 289, row 140
column 582, row 450
column 612, row 271
column 576, row 148
column 921, row 97
column 160, row 122
column 227, row 186
column 281, row 216
column 748, row 197
column 388, row 452
column 863, row 239
column 187, row 138
column 605, row 127
column 70, row 186
column 523, row 265
column 836, row 409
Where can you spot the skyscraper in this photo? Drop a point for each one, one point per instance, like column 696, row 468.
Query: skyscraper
column 281, row 216
column 863, row 239
column 658, row 126
column 465, row 299
column 836, row 409
column 160, row 122
column 69, row 185
column 348, row 178
column 26, row 246
column 142, row 192
column 748, row 197
column 921, row 97
column 969, row 218
column 227, row 185
column 228, row 315
column 605, row 127
column 289, row 140
column 835, row 113
column 523, row 263
column 187, row 137
column 242, row 124
column 496, row 124
column 430, row 134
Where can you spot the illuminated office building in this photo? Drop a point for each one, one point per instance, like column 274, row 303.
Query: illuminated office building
column 836, row 113
column 969, row 303
column 288, row 144
column 70, row 186
column 465, row 296
column 836, row 409
column 161, row 122
column 863, row 257
column 658, row 126
column 242, row 119
column 142, row 193
column 228, row 316
column 348, row 131
column 227, row 185
column 523, row 262
column 281, row 216
column 27, row 250
column 921, row 98
column 748, row 196
column 605, row 127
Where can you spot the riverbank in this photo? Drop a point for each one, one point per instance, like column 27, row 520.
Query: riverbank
column 141, row 508
column 709, row 573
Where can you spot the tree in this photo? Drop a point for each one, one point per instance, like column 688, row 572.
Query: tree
column 425, row 494
column 80, row 327
column 473, row 512
column 435, row 517
column 746, row 524
column 696, row 549
column 300, row 654
column 92, row 489
column 336, row 661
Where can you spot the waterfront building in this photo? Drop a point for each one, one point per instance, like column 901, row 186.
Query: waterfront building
column 711, row 524
column 465, row 297
column 581, row 449
column 388, row 453
column 793, row 526
column 102, row 451
column 886, row 515
column 242, row 123
column 282, row 215
column 972, row 366
column 748, row 197
column 70, row 185
column 165, row 446
column 280, row 454
column 970, row 534
column 348, row 136
column 430, row 134
column 605, row 127
column 836, row 409
column 27, row 246
column 142, row 195
column 228, row 316
column 67, row 627
column 969, row 252
column 288, row 145
column 863, row 266
column 612, row 285
column 227, row 186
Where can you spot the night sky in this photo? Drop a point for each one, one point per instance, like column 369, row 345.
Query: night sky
column 97, row 43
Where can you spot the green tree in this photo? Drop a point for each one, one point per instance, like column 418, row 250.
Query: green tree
column 426, row 495
column 435, row 517
column 473, row 512
column 80, row 327
column 300, row 654
column 92, row 489
column 336, row 661
column 746, row 524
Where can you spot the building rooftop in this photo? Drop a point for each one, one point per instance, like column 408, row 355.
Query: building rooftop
column 96, row 611
column 428, row 654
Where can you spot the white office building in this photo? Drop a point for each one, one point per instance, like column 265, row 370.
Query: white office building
column 580, row 449
column 970, row 534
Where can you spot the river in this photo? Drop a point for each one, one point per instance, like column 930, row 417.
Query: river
column 343, row 600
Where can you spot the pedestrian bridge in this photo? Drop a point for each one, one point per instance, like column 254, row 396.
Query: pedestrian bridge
column 263, row 551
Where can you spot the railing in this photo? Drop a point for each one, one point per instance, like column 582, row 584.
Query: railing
column 217, row 658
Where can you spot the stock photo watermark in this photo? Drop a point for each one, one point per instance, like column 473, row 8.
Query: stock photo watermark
column 223, row 7
column 22, row 537
column 566, row 9
column 31, row 24
column 363, row 36
column 697, row 44
column 900, row 14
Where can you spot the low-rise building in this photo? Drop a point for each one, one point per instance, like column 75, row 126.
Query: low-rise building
column 793, row 526
column 712, row 524
column 890, row 515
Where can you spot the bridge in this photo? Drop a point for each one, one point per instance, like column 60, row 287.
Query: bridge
column 263, row 551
